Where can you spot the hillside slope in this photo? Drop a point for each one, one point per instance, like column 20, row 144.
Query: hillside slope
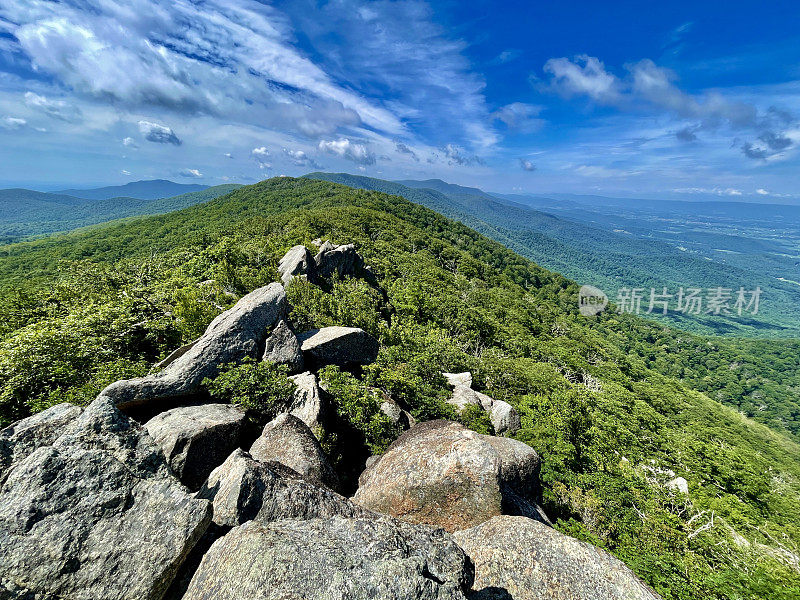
column 612, row 427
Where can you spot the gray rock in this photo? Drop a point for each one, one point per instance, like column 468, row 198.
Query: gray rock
column 297, row 261
column 332, row 559
column 342, row 260
column 283, row 348
column 96, row 514
column 341, row 346
column 23, row 437
column 289, row 441
column 505, row 419
column 244, row 489
column 309, row 403
column 519, row 559
column 443, row 474
column 457, row 379
column 197, row 439
column 396, row 414
column 234, row 335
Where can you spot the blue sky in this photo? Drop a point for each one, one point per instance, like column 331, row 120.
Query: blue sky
column 674, row 100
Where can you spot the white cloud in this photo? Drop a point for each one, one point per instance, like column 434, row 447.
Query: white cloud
column 762, row 192
column 124, row 172
column 526, row 165
column 58, row 109
column 587, row 75
column 718, row 191
column 129, row 142
column 648, row 86
column 300, row 159
column 520, row 116
column 236, row 60
column 457, row 155
column 12, row 122
column 344, row 148
column 160, row 134
column 261, row 155
column 228, row 155
column 191, row 173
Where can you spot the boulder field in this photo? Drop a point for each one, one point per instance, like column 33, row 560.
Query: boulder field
column 153, row 492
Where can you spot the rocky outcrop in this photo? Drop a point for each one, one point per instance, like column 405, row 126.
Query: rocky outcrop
column 95, row 514
column 355, row 558
column 343, row 346
column 519, row 559
column 196, row 439
column 234, row 335
column 445, row 475
column 309, row 403
column 21, row 439
column 504, row 417
column 396, row 414
column 244, row 489
column 289, row 441
column 341, row 260
column 298, row 261
column 283, row 348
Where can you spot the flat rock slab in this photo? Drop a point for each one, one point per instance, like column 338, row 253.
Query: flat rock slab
column 519, row 559
column 289, row 441
column 197, row 439
column 442, row 474
column 341, row 346
column 236, row 334
column 332, row 559
column 96, row 514
column 244, row 489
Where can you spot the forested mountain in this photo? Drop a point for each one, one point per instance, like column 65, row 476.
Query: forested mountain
column 630, row 248
column 147, row 189
column 618, row 407
column 25, row 213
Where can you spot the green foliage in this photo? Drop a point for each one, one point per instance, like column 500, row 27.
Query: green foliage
column 610, row 403
column 475, row 418
column 262, row 387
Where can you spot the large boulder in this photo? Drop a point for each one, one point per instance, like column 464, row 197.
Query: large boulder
column 283, row 348
column 341, row 260
column 96, row 514
column 343, row 346
column 244, row 489
column 197, row 439
column 332, row 559
column 309, row 403
column 289, row 441
column 237, row 333
column 296, row 262
column 20, row 439
column 443, row 474
column 519, row 559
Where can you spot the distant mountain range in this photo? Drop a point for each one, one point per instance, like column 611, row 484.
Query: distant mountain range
column 27, row 213
column 618, row 243
column 150, row 189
